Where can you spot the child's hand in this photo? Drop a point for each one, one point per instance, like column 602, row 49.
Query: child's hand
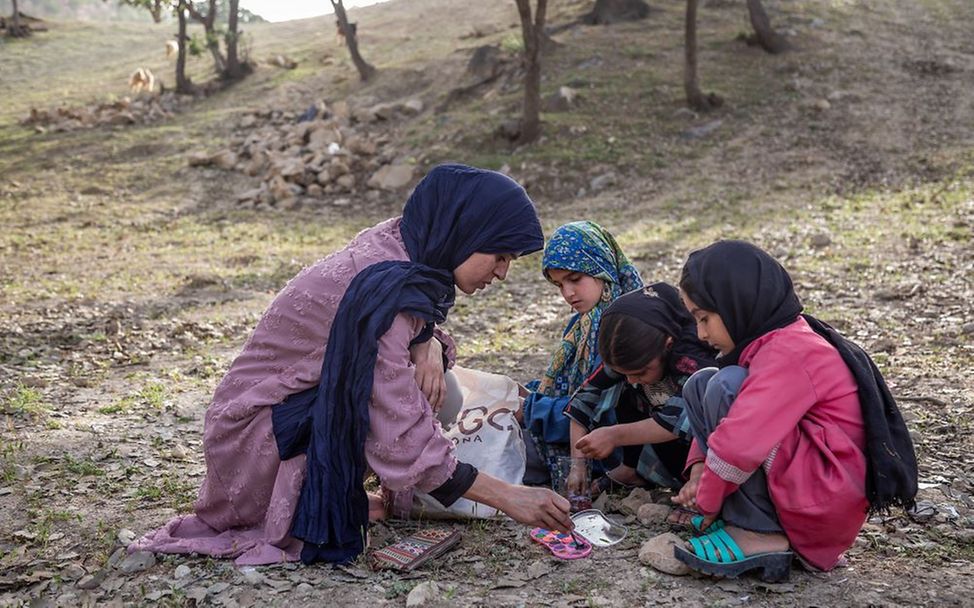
column 428, row 359
column 577, row 481
column 598, row 444
column 687, row 498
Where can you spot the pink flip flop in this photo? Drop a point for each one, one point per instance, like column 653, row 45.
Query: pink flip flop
column 562, row 545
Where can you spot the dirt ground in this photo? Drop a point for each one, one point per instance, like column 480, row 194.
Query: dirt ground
column 128, row 280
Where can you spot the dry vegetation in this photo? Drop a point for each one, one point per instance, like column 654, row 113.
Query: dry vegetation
column 128, row 279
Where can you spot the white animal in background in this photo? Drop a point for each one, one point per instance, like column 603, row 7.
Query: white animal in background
column 142, row 79
column 172, row 48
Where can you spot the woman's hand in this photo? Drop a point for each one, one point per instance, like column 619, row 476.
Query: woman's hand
column 537, row 507
column 597, row 444
column 428, row 359
column 687, row 497
column 532, row 506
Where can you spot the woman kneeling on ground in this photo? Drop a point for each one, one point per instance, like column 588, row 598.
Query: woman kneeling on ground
column 325, row 391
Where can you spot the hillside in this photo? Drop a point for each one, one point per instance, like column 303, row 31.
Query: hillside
column 129, row 280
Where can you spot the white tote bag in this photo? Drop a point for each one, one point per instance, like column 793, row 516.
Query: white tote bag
column 486, row 435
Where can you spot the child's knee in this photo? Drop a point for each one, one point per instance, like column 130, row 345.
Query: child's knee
column 723, row 385
column 695, row 388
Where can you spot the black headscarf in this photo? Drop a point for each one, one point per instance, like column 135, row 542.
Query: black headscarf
column 659, row 306
column 753, row 295
column 748, row 288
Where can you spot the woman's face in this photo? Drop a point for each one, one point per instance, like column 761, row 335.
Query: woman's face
column 580, row 290
column 710, row 327
column 480, row 270
column 650, row 374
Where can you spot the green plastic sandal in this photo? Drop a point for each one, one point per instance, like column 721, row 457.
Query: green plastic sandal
column 697, row 522
column 717, row 554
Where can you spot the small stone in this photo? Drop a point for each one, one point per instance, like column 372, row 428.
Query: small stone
column 224, row 159
column 602, row 181
column 182, row 571
column 658, row 553
column 72, row 572
column 93, row 581
column 137, row 562
column 115, row 557
column 823, row 105
column 125, row 536
column 651, row 513
column 422, row 594
column 701, row 131
column 413, row 106
column 637, row 498
column 304, row 588
column 968, row 328
column 391, row 177
column 199, row 159
column 217, row 588
column 252, row 576
column 820, row 240
column 346, row 181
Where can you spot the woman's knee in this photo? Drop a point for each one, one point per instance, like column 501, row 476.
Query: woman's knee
column 452, row 401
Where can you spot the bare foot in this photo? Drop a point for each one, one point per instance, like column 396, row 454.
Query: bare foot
column 377, row 507
column 627, row 476
column 681, row 517
column 752, row 543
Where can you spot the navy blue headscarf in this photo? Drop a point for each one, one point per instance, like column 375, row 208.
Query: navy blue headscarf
column 455, row 211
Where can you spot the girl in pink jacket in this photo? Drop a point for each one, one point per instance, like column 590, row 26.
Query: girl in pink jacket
column 796, row 436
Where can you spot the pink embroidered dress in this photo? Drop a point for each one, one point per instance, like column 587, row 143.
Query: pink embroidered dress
column 247, row 501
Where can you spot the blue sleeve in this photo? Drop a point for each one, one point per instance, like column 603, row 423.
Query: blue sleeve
column 544, row 417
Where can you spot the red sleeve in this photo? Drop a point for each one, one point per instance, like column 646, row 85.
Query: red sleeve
column 775, row 396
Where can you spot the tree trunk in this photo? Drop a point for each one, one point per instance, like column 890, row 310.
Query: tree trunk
column 15, row 29
column 764, row 34
column 695, row 97
column 155, row 9
column 233, row 69
column 365, row 69
column 533, row 33
column 212, row 40
column 183, row 84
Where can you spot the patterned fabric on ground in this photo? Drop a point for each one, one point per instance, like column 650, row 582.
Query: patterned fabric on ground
column 416, row 549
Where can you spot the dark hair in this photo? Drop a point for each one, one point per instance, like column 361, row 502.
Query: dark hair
column 627, row 343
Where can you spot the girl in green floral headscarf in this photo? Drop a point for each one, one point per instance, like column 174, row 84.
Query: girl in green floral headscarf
column 586, row 264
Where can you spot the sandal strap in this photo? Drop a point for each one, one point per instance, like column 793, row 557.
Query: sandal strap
column 717, row 547
column 728, row 541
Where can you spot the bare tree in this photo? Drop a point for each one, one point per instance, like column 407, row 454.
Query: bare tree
column 696, row 99
column 208, row 21
column 347, row 30
column 183, row 83
column 764, row 35
column 15, row 29
column 532, row 31
column 234, row 69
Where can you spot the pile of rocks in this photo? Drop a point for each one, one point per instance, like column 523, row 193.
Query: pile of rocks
column 327, row 151
column 125, row 111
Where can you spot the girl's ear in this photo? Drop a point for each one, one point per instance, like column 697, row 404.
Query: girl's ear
column 669, row 342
